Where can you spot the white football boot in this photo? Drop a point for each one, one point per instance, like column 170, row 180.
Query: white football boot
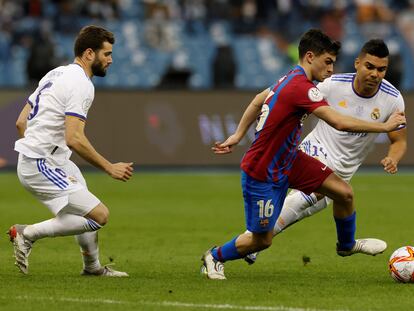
column 365, row 246
column 105, row 271
column 22, row 247
column 211, row 267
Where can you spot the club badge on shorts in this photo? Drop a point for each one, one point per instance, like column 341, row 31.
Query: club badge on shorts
column 264, row 222
column 375, row 114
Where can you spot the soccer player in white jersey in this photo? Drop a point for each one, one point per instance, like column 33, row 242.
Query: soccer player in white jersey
column 51, row 125
column 365, row 95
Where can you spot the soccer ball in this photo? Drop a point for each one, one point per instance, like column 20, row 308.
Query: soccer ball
column 401, row 264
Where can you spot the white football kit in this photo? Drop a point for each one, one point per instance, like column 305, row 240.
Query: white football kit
column 343, row 151
column 44, row 167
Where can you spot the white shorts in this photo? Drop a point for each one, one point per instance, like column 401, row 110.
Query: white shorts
column 56, row 187
column 313, row 147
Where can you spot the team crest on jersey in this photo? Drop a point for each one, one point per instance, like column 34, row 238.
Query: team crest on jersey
column 86, row 105
column 375, row 114
column 315, row 95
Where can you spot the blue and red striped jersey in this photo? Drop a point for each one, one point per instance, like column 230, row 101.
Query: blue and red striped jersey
column 279, row 127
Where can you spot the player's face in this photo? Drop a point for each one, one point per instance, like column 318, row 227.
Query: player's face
column 103, row 59
column 370, row 71
column 322, row 66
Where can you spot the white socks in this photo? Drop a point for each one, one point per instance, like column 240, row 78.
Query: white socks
column 297, row 206
column 88, row 243
column 62, row 225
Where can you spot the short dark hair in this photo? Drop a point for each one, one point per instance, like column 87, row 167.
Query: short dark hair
column 92, row 37
column 316, row 41
column 376, row 47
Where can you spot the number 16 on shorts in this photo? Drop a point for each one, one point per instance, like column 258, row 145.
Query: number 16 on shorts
column 266, row 210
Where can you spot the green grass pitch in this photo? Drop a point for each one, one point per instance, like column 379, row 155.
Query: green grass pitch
column 160, row 225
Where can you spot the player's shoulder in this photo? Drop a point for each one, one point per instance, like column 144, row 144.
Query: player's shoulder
column 341, row 78
column 386, row 88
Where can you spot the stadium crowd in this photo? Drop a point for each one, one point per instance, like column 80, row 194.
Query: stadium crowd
column 30, row 32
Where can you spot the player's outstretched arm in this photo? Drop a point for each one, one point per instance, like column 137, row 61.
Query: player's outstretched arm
column 21, row 122
column 249, row 116
column 76, row 140
column 349, row 124
column 397, row 149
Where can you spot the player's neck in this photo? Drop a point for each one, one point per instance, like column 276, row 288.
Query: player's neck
column 307, row 70
column 363, row 91
column 85, row 67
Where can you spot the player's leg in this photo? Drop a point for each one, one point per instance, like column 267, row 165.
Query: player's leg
column 345, row 218
column 88, row 241
column 297, row 206
column 69, row 219
column 263, row 202
column 56, row 189
column 310, row 175
column 306, row 175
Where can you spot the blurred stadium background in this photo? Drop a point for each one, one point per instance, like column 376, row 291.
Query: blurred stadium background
column 184, row 70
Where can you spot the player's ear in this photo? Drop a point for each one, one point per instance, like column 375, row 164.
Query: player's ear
column 309, row 57
column 89, row 54
column 356, row 63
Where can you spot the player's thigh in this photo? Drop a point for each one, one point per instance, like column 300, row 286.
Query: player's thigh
column 82, row 202
column 307, row 174
column 48, row 183
column 263, row 202
column 336, row 188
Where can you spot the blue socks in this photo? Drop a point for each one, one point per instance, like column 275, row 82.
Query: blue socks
column 226, row 252
column 345, row 230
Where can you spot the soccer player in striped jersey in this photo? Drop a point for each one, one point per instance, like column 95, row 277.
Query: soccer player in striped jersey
column 51, row 125
column 365, row 95
column 273, row 163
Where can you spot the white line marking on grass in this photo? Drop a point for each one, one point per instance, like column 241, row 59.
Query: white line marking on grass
column 166, row 304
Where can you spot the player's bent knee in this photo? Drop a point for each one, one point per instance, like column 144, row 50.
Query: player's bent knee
column 347, row 194
column 100, row 214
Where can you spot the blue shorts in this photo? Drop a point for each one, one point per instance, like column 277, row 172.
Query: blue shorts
column 263, row 202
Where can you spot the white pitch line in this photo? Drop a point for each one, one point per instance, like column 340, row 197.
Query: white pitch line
column 166, row 304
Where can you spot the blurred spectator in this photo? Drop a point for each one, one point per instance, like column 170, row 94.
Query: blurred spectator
column 101, row 9
column 195, row 14
column 224, row 68
column 405, row 23
column 332, row 20
column 218, row 10
column 245, row 16
column 67, row 17
column 373, row 11
column 159, row 30
column 41, row 56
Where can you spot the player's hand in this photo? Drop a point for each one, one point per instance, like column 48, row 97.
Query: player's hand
column 390, row 165
column 121, row 171
column 226, row 146
column 395, row 121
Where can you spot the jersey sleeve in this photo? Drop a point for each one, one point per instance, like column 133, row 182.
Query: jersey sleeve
column 33, row 97
column 399, row 104
column 78, row 101
column 311, row 98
